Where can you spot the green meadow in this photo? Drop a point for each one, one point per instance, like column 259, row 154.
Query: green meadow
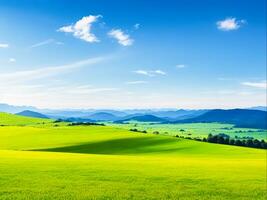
column 40, row 159
column 193, row 130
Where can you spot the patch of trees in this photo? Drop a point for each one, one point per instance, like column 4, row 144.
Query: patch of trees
column 227, row 128
column 85, row 124
column 58, row 121
column 225, row 139
column 244, row 137
column 136, row 130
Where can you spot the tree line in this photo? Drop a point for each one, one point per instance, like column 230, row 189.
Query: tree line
column 85, row 124
column 225, row 139
column 221, row 138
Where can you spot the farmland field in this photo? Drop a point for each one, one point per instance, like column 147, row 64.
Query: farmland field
column 196, row 129
column 39, row 160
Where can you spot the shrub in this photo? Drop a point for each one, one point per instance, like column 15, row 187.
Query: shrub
column 263, row 144
column 232, row 142
column 249, row 143
column 210, row 138
column 144, row 131
column 220, row 140
column 238, row 142
column 256, row 143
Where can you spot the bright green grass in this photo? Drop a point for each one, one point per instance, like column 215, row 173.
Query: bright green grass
column 16, row 120
column 197, row 129
column 110, row 163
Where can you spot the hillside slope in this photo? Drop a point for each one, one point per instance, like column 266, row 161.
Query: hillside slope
column 7, row 119
column 93, row 162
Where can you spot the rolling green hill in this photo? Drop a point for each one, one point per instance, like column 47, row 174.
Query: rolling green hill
column 196, row 130
column 95, row 162
column 15, row 120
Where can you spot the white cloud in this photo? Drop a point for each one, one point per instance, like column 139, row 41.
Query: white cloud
column 135, row 82
column 261, row 85
column 22, row 76
column 12, row 60
column 82, row 28
column 229, row 24
column 87, row 89
column 121, row 37
column 2, row 45
column 42, row 43
column 136, row 26
column 55, row 96
column 143, row 72
column 150, row 73
column 180, row 66
column 45, row 42
column 159, row 72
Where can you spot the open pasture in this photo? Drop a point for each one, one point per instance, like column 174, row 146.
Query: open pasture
column 95, row 162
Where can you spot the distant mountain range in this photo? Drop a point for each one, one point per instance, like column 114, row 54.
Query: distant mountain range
column 262, row 108
column 28, row 113
column 14, row 109
column 239, row 117
column 255, row 117
column 143, row 118
column 103, row 116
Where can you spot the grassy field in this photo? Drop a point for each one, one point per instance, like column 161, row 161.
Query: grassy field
column 197, row 129
column 16, row 120
column 41, row 161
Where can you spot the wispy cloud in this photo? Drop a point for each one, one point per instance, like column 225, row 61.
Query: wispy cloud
column 150, row 73
column 227, row 93
column 260, row 85
column 88, row 89
column 136, row 82
column 48, row 71
column 225, row 79
column 11, row 60
column 3, row 45
column 82, row 28
column 121, row 37
column 180, row 66
column 51, row 95
column 230, row 24
column 136, row 26
column 143, row 72
column 45, row 42
column 158, row 72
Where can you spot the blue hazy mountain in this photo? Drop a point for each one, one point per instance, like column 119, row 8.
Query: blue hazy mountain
column 29, row 113
column 142, row 118
column 239, row 117
column 103, row 116
column 14, row 109
column 262, row 108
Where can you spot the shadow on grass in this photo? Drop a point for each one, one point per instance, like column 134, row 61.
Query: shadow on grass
column 122, row 146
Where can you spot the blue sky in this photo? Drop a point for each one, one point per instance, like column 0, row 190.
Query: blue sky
column 133, row 54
